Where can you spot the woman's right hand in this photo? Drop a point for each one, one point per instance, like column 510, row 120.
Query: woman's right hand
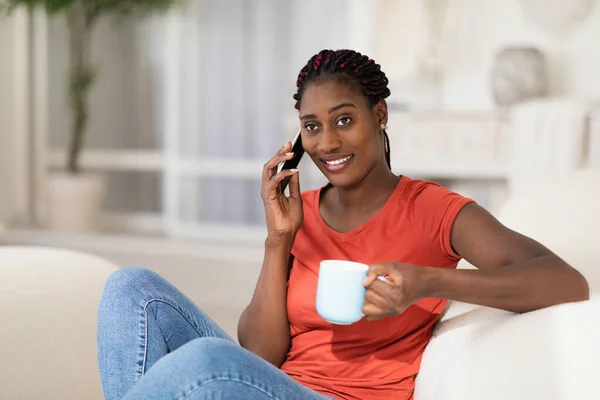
column 283, row 213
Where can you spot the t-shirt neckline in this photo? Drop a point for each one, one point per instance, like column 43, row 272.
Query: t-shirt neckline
column 347, row 235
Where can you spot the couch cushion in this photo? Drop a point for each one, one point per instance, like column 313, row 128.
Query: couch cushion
column 549, row 354
column 48, row 307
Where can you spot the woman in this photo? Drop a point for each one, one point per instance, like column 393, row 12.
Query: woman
column 155, row 344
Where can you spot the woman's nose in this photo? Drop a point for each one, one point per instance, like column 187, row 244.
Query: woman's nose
column 329, row 141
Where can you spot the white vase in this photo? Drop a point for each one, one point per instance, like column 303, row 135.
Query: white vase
column 518, row 74
column 74, row 201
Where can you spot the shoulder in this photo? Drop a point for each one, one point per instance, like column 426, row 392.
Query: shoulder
column 415, row 187
column 433, row 210
column 428, row 194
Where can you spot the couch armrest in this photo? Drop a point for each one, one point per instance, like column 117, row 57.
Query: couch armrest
column 48, row 304
column 549, row 354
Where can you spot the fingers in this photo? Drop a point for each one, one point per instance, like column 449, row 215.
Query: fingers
column 294, row 186
column 382, row 288
column 274, row 182
column 376, row 299
column 378, row 270
column 373, row 311
column 373, row 314
column 286, row 147
column 270, row 167
column 380, row 301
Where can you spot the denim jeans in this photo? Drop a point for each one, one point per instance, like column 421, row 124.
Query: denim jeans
column 154, row 343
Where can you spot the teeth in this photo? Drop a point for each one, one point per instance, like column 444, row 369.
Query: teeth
column 340, row 161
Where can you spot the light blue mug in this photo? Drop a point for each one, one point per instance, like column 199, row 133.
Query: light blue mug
column 340, row 291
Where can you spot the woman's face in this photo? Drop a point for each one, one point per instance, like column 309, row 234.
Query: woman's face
column 340, row 132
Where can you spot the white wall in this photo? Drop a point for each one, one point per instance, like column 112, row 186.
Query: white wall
column 476, row 31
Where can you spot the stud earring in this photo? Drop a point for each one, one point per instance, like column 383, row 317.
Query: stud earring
column 383, row 126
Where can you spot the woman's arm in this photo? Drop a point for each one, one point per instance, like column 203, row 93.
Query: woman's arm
column 264, row 327
column 515, row 273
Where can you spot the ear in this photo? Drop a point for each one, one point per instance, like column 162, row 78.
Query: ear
column 380, row 112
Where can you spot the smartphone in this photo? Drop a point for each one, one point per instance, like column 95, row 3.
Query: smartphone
column 294, row 161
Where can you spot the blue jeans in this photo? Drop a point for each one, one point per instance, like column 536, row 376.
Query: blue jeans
column 154, row 343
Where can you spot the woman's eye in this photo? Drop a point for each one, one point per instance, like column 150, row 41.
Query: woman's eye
column 344, row 121
column 310, row 127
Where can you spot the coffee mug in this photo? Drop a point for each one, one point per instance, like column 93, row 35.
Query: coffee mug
column 340, row 291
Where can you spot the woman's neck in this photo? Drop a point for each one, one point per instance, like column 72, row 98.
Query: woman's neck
column 371, row 192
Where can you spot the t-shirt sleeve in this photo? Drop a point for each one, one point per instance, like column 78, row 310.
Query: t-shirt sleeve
column 434, row 211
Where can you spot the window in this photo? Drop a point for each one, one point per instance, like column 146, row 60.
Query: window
column 188, row 107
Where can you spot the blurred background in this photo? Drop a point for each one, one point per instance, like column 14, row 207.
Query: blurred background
column 136, row 130
column 185, row 104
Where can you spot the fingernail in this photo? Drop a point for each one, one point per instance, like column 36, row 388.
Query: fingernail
column 293, row 170
column 289, row 154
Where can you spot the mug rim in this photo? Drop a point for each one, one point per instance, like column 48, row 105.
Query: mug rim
column 344, row 264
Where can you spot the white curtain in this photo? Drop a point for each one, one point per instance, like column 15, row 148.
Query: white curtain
column 250, row 54
column 15, row 146
column 124, row 113
column 238, row 62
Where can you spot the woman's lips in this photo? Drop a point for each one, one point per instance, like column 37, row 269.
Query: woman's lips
column 337, row 164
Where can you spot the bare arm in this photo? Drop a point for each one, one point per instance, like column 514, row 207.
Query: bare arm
column 515, row 273
column 264, row 327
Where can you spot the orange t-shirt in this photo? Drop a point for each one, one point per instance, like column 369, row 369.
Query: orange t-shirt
column 379, row 359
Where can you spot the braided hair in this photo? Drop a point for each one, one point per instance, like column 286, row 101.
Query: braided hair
column 350, row 67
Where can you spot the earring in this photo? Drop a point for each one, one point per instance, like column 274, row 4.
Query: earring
column 383, row 126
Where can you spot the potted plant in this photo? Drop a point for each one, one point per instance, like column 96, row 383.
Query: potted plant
column 75, row 196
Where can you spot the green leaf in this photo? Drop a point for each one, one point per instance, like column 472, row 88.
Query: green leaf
column 51, row 6
column 95, row 7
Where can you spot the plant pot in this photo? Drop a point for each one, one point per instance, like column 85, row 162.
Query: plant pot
column 74, row 201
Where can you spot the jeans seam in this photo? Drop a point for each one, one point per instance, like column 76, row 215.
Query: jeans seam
column 146, row 326
column 201, row 383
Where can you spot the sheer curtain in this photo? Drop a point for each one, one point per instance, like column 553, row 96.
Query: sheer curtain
column 250, row 52
column 14, row 115
column 124, row 114
column 243, row 80
column 236, row 67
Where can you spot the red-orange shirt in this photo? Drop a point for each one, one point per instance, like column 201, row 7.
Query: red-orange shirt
column 379, row 359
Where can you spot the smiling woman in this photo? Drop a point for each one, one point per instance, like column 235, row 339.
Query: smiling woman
column 410, row 231
column 359, row 74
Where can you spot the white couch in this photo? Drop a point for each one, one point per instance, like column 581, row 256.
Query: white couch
column 48, row 304
column 48, row 301
column 552, row 354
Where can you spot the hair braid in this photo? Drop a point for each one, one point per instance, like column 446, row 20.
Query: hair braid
column 354, row 68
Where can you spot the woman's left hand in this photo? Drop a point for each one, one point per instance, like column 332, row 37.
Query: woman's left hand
column 404, row 285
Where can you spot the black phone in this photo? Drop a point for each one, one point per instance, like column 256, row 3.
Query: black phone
column 298, row 151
